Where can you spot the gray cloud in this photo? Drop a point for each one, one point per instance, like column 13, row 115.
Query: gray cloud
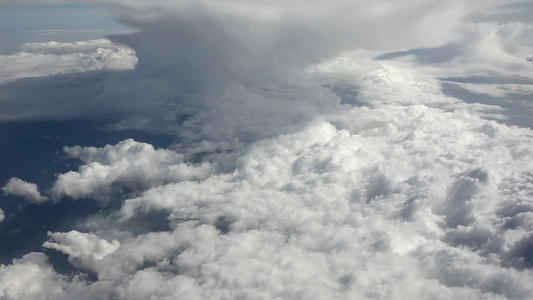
column 29, row 277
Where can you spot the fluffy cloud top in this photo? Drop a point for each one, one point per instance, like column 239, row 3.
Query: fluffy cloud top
column 367, row 184
column 374, row 202
column 123, row 168
column 84, row 250
column 21, row 188
column 53, row 58
column 30, row 277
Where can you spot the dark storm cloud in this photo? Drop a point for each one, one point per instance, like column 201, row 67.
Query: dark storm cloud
column 191, row 47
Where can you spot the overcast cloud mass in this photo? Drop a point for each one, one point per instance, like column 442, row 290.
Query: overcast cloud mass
column 321, row 150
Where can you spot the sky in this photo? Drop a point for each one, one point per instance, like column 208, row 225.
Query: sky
column 238, row 149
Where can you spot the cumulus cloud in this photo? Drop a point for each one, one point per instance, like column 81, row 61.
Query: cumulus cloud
column 349, row 179
column 375, row 202
column 122, row 168
column 21, row 188
column 84, row 250
column 254, row 41
column 248, row 44
column 53, row 58
column 30, row 277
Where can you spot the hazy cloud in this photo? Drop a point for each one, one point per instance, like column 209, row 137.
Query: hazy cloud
column 376, row 201
column 30, row 277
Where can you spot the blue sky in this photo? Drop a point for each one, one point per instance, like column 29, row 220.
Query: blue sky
column 59, row 17
column 66, row 23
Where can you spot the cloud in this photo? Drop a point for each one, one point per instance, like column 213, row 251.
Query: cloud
column 251, row 42
column 482, row 49
column 123, row 168
column 53, row 58
column 2, row 215
column 189, row 51
column 350, row 179
column 30, row 277
column 376, row 201
column 21, row 188
column 84, row 250
column 497, row 90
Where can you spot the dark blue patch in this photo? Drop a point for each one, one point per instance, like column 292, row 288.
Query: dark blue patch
column 33, row 151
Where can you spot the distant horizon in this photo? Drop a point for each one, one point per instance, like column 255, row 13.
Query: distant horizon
column 53, row 22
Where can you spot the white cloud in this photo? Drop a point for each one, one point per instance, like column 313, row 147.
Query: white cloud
column 480, row 49
column 396, row 199
column 54, row 58
column 366, row 182
column 495, row 49
column 66, row 48
column 30, row 277
column 497, row 90
column 368, row 202
column 401, row 25
column 123, row 168
column 84, row 250
column 2, row 215
column 21, row 188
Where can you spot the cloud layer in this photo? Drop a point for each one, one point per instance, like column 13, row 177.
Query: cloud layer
column 53, row 58
column 371, row 202
column 84, row 250
column 292, row 179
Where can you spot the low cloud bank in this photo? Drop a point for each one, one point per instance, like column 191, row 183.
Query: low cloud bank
column 383, row 201
column 54, row 58
column 21, row 188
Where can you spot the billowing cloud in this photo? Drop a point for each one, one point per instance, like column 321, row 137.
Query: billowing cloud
column 293, row 179
column 84, row 250
column 484, row 49
column 187, row 50
column 378, row 201
column 123, row 168
column 30, row 277
column 21, row 188
column 53, row 58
